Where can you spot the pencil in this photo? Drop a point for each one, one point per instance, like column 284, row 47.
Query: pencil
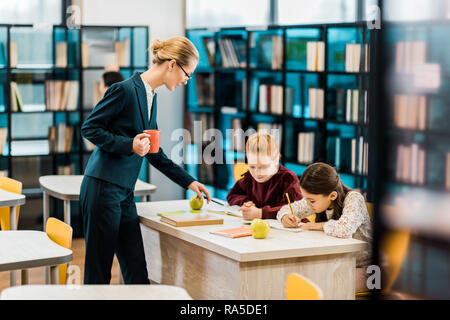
column 287, row 196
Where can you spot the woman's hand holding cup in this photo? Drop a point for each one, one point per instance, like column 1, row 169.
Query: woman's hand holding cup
column 141, row 144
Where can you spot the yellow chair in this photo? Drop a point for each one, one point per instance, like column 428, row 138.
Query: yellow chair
column 239, row 170
column 60, row 233
column 300, row 288
column 369, row 207
column 14, row 186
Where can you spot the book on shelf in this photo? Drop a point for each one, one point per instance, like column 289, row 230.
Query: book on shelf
column 410, row 111
column 275, row 129
column 270, row 51
column 350, row 105
column 237, row 136
column 204, row 85
column 351, row 155
column 60, row 138
column 3, row 136
column 356, row 57
column 277, row 52
column 242, row 231
column 66, row 169
column 13, row 54
column 409, row 55
column 315, row 56
column 410, row 165
column 233, row 52
column 16, row 99
column 61, row 54
column 123, row 52
column 61, row 95
column 316, row 103
column 271, row 99
column 210, row 47
column 306, row 147
column 289, row 100
column 85, row 54
column 190, row 219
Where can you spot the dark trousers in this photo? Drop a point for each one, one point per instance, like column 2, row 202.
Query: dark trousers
column 111, row 225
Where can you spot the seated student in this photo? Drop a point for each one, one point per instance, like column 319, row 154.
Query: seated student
column 261, row 191
column 340, row 212
column 108, row 79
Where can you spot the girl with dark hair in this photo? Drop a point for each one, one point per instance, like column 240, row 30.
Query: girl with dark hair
column 340, row 212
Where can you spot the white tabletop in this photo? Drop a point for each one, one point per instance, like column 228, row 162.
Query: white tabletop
column 67, row 187
column 10, row 199
column 95, row 292
column 28, row 249
column 277, row 245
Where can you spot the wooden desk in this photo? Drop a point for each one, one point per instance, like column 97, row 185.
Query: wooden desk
column 95, row 292
column 215, row 267
column 21, row 250
column 67, row 188
column 11, row 200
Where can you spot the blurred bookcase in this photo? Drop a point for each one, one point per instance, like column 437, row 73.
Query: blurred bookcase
column 49, row 78
column 309, row 82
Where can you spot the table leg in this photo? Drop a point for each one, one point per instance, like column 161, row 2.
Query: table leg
column 25, row 277
column 47, row 275
column 53, row 274
column 67, row 211
column 46, row 211
column 12, row 218
column 12, row 278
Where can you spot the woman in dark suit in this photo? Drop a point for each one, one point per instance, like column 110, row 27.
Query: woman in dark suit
column 115, row 126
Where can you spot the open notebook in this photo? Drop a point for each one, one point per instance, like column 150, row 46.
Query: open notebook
column 275, row 224
column 225, row 209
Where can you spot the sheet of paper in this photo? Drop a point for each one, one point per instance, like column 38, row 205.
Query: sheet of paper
column 212, row 206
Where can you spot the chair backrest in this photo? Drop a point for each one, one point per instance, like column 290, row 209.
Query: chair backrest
column 300, row 288
column 369, row 207
column 61, row 233
column 14, row 186
column 395, row 246
column 239, row 169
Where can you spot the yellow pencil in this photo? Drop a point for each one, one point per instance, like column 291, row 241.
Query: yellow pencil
column 287, row 196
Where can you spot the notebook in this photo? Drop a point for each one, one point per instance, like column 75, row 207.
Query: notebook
column 190, row 219
column 275, row 224
column 224, row 209
column 241, row 231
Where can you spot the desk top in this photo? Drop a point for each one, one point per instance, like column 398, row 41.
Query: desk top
column 28, row 249
column 95, row 292
column 67, row 187
column 278, row 244
column 9, row 199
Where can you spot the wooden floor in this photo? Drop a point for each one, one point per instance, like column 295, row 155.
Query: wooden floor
column 37, row 274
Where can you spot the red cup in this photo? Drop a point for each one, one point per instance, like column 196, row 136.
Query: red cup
column 155, row 139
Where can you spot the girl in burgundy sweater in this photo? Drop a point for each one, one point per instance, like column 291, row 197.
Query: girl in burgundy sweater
column 261, row 190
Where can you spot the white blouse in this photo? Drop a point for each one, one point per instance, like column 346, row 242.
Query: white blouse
column 353, row 223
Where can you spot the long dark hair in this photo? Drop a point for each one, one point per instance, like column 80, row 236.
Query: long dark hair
column 321, row 178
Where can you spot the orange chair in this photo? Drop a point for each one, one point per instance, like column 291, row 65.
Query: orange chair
column 61, row 233
column 14, row 186
column 239, row 169
column 300, row 288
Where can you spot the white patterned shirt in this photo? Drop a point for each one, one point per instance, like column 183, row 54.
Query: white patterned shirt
column 150, row 94
column 353, row 223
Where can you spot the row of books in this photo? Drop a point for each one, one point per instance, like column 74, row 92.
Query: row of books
column 233, row 52
column 410, row 111
column 61, row 95
column 271, row 99
column 357, row 57
column 205, row 88
column 60, row 138
column 315, row 56
column 348, row 154
column 410, row 165
column 409, row 55
column 349, row 105
column 316, row 103
column 66, row 169
column 197, row 124
column 305, row 147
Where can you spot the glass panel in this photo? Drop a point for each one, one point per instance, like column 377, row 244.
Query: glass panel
column 99, row 47
column 342, row 56
column 266, row 49
column 296, row 51
column 140, row 47
column 28, row 170
column 297, row 93
column 31, row 47
column 31, row 11
column 204, row 13
column 3, row 47
column 30, row 125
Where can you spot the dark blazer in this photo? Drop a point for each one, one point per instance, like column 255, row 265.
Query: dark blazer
column 112, row 126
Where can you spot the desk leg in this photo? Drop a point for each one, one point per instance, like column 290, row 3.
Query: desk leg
column 67, row 211
column 143, row 198
column 25, row 277
column 53, row 274
column 12, row 218
column 46, row 210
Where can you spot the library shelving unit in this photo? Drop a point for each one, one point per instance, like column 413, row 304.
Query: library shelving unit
column 415, row 159
column 309, row 82
column 48, row 78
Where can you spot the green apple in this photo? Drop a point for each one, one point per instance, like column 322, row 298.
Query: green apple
column 260, row 228
column 196, row 203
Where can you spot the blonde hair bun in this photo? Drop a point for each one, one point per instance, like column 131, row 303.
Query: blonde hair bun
column 157, row 45
column 181, row 49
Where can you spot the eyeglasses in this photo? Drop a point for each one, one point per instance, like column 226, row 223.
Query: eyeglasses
column 188, row 76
